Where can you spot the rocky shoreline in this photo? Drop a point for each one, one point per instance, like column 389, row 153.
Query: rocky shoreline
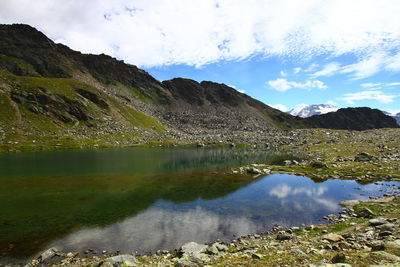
column 363, row 234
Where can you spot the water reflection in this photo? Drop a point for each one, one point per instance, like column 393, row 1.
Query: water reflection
column 161, row 229
column 276, row 199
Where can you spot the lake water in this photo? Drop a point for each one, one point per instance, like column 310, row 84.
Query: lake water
column 146, row 199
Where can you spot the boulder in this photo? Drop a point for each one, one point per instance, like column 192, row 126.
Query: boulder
column 318, row 165
column 365, row 213
column 48, row 254
column 333, row 237
column 120, row 260
column 349, row 203
column 253, row 170
column 363, row 157
column 377, row 221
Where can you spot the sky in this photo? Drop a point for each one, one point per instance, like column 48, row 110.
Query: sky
column 284, row 53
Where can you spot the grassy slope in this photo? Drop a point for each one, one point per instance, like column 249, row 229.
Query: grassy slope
column 32, row 131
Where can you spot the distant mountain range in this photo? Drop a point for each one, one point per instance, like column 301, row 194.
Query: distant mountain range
column 307, row 111
column 49, row 93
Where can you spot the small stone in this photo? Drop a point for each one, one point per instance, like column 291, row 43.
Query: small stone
column 283, row 236
column 333, row 237
column 349, row 203
column 256, row 256
column 48, row 254
column 339, row 258
column 386, row 256
column 253, row 170
column 393, row 244
column 377, row 221
column 365, row 213
column 126, row 260
column 298, row 252
column 363, row 157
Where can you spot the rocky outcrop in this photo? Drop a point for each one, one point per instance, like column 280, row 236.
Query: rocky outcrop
column 352, row 119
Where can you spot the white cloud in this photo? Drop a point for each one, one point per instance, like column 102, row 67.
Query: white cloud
column 366, row 67
column 281, row 107
column 369, row 95
column 296, row 70
column 369, row 85
column 283, row 73
column 331, row 102
column 393, row 63
column 158, row 32
column 283, row 85
column 280, row 84
column 328, row 70
column 376, row 86
column 312, row 67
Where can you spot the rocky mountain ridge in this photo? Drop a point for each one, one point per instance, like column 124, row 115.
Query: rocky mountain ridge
column 50, row 92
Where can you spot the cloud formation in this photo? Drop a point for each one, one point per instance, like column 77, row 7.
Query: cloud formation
column 380, row 96
column 283, row 85
column 198, row 32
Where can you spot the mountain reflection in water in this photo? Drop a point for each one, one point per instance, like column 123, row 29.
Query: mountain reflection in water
column 275, row 199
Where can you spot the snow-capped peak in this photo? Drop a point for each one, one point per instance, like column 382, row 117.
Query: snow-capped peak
column 305, row 111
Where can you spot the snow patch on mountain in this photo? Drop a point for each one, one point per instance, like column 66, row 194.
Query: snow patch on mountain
column 305, row 111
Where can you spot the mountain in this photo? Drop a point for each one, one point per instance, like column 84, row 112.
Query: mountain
column 311, row 110
column 352, row 119
column 51, row 95
column 47, row 89
column 395, row 116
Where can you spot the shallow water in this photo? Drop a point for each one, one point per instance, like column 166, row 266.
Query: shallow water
column 146, row 199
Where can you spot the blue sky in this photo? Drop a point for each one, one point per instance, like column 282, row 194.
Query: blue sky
column 284, row 53
column 318, row 81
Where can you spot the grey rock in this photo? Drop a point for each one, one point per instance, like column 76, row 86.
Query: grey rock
column 349, row 203
column 377, row 221
column 386, row 256
column 376, row 245
column 48, row 254
column 388, row 227
column 193, row 247
column 365, row 213
column 216, row 248
column 298, row 252
column 395, row 244
column 253, row 170
column 126, row 260
column 283, row 236
column 193, row 251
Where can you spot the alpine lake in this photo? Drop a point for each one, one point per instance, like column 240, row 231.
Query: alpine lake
column 149, row 199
